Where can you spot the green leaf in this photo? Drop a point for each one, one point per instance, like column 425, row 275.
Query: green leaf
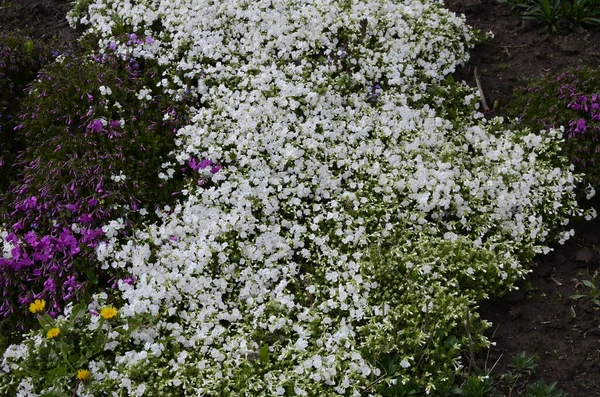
column 264, row 353
column 46, row 321
column 79, row 310
column 29, row 46
column 58, row 371
column 589, row 284
column 578, row 296
column 91, row 276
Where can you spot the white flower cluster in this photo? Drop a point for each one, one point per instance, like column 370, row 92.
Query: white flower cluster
column 7, row 246
column 346, row 212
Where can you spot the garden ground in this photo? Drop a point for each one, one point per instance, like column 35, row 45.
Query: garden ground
column 540, row 318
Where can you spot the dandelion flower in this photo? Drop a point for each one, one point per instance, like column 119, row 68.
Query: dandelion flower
column 37, row 306
column 53, row 333
column 108, row 312
column 83, row 375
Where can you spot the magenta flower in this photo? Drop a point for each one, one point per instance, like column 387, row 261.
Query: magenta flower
column 96, row 126
column 194, row 164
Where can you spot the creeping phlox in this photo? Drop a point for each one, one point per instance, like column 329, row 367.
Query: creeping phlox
column 349, row 222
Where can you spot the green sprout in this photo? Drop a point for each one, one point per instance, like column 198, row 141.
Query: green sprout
column 593, row 292
column 558, row 16
column 541, row 389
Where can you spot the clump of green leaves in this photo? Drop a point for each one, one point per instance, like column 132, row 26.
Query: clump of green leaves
column 592, row 292
column 479, row 386
column 559, row 16
column 570, row 100
column 64, row 349
column 541, row 389
column 516, row 381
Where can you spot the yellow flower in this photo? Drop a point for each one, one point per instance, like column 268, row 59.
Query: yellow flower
column 53, row 333
column 84, row 375
column 108, row 312
column 37, row 306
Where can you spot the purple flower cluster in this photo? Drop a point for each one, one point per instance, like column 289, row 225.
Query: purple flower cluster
column 204, row 169
column 584, row 123
column 47, row 238
column 375, row 92
column 572, row 100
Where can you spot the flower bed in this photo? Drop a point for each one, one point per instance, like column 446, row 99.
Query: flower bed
column 345, row 208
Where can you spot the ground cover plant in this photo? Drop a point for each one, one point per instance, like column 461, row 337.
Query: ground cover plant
column 76, row 146
column 559, row 16
column 345, row 223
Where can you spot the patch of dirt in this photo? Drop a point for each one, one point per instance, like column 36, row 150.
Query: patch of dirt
column 540, row 318
column 42, row 20
column 518, row 51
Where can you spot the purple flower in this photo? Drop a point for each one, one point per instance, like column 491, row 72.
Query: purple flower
column 112, row 46
column 215, row 169
column 581, row 126
column 206, row 163
column 69, row 242
column 72, row 207
column 149, row 40
column 30, row 203
column 194, row 164
column 85, row 219
column 31, row 238
column 96, row 125
column 50, row 285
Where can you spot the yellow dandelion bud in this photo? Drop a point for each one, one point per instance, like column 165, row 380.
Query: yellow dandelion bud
column 108, row 312
column 37, row 306
column 53, row 333
column 83, row 375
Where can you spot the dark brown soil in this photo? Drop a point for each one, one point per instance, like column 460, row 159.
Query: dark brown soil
column 518, row 51
column 42, row 20
column 540, row 318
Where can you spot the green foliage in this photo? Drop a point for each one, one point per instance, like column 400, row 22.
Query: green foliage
column 86, row 123
column 524, row 364
column 571, row 100
column 62, row 346
column 479, row 386
column 592, row 292
column 559, row 16
column 513, row 382
column 541, row 389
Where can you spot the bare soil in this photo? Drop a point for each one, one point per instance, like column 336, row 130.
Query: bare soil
column 540, row 318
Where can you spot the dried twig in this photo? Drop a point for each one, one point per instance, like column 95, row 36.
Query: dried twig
column 483, row 102
column 512, row 46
